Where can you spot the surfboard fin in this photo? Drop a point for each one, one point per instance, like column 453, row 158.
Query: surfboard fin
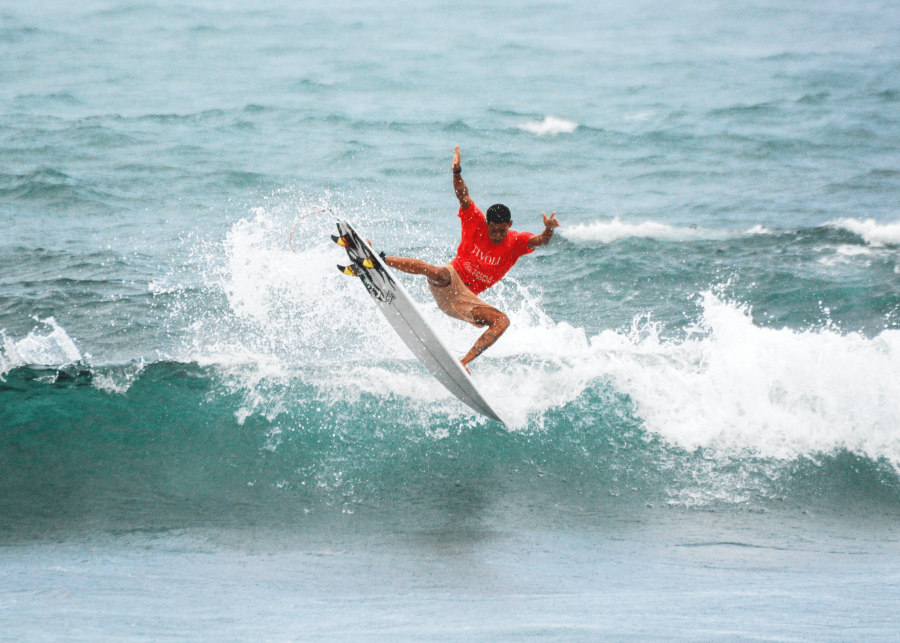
column 341, row 241
column 367, row 263
column 348, row 270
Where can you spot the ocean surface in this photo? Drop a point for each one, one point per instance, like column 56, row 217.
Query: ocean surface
column 208, row 436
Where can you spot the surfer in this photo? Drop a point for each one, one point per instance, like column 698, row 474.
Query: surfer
column 489, row 248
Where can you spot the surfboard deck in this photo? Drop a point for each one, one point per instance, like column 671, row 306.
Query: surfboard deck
column 405, row 317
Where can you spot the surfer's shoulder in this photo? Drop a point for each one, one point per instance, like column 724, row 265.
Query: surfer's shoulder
column 470, row 212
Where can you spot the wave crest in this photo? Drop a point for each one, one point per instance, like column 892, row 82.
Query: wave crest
column 874, row 233
column 550, row 125
column 609, row 231
column 55, row 348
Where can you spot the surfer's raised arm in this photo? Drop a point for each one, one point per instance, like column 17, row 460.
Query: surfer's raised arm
column 462, row 190
column 542, row 239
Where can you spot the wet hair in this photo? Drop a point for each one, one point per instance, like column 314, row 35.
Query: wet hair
column 498, row 213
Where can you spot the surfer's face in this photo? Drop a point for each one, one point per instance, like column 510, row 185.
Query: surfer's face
column 498, row 231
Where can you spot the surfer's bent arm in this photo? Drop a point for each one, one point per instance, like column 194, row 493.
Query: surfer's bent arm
column 459, row 186
column 542, row 239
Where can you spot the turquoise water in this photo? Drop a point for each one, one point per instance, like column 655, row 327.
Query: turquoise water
column 207, row 436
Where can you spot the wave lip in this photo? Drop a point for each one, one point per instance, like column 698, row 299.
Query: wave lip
column 550, row 125
column 742, row 389
column 53, row 349
column 871, row 231
column 609, row 231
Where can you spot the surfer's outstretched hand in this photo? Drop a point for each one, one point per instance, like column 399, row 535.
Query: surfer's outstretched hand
column 455, row 158
column 542, row 239
column 465, row 367
column 550, row 222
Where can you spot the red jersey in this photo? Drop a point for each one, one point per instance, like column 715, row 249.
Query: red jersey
column 479, row 261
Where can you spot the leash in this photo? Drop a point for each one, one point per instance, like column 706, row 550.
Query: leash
column 291, row 235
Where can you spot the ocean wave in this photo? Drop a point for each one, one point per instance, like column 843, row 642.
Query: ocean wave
column 736, row 416
column 775, row 393
column 729, row 385
column 54, row 348
column 732, row 388
column 874, row 233
column 609, row 231
column 550, row 125
column 56, row 189
column 296, row 385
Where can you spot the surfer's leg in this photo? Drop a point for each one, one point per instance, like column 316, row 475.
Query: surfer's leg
column 497, row 323
column 438, row 275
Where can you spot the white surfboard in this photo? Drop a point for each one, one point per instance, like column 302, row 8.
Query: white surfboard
column 403, row 314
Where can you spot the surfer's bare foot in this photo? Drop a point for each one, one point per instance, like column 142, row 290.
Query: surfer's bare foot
column 465, row 367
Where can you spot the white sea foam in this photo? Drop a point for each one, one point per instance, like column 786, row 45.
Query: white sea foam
column 874, row 233
column 729, row 386
column 55, row 348
column 550, row 125
column 733, row 386
column 118, row 380
column 293, row 315
column 758, row 229
column 291, row 304
column 775, row 393
column 609, row 231
column 845, row 254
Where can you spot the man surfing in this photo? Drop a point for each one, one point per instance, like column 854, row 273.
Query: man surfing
column 489, row 248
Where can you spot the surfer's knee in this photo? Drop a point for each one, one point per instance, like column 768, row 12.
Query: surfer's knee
column 494, row 319
column 501, row 324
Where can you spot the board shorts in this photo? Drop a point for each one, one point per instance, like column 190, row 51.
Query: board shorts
column 456, row 300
